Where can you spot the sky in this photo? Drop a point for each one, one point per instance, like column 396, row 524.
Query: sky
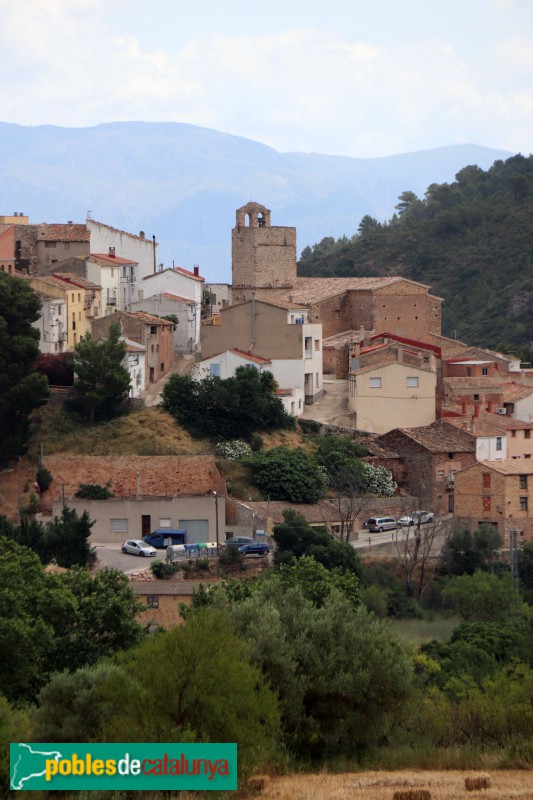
column 342, row 77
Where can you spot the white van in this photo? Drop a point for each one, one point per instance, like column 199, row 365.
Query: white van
column 378, row 524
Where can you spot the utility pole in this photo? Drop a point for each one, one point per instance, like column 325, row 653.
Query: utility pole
column 216, row 518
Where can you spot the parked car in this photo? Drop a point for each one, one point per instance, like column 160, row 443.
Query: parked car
column 136, row 547
column 378, row 524
column 237, row 541
column 254, row 548
column 417, row 517
column 163, row 537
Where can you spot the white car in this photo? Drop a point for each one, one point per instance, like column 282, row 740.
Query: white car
column 136, row 547
column 417, row 517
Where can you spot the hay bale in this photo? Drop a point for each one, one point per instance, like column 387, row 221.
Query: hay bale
column 477, row 783
column 412, row 794
column 258, row 783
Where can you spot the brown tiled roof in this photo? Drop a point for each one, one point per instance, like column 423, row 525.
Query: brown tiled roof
column 450, row 347
column 375, row 448
column 159, row 476
column 440, row 437
column 112, row 260
column 71, row 277
column 313, row 290
column 385, row 362
column 483, row 382
column 513, row 466
column 4, row 227
column 173, row 588
column 484, row 425
column 511, row 392
column 256, row 359
column 145, row 317
column 63, row 233
column 340, row 339
column 172, row 296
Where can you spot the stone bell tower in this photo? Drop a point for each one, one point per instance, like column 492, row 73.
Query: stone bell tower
column 262, row 256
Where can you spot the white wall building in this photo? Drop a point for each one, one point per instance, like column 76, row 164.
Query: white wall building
column 137, row 249
column 166, row 303
column 52, row 325
column 180, row 282
column 136, row 366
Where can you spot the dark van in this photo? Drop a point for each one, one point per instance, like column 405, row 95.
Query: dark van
column 163, row 537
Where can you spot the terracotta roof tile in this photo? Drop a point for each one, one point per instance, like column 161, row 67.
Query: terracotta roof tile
column 511, row 392
column 72, row 278
column 63, row 233
column 439, row 437
column 172, row 588
column 112, row 260
column 513, row 466
column 159, row 476
column 483, row 382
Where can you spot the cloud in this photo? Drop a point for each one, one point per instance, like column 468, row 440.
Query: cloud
column 303, row 88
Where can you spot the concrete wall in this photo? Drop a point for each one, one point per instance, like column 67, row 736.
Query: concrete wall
column 127, row 245
column 158, row 508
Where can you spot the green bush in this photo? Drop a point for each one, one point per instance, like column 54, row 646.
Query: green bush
column 231, row 556
column 164, row 569
column 93, row 491
column 43, row 478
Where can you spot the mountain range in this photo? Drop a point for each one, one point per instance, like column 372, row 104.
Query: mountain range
column 183, row 183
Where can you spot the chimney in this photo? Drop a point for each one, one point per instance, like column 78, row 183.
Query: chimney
column 69, row 222
column 196, row 270
column 112, row 252
column 141, row 234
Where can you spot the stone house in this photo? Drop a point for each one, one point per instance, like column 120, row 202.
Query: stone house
column 264, row 264
column 149, row 492
column 431, row 457
column 277, row 332
column 499, row 494
column 156, row 335
column 162, row 600
column 184, row 309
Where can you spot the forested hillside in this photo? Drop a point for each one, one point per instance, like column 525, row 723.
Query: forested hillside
column 471, row 241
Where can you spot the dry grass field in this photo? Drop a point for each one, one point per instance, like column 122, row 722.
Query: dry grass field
column 504, row 785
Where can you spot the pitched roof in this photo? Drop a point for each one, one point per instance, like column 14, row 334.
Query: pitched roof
column 241, row 354
column 511, row 392
column 439, row 437
column 484, row 425
column 71, row 277
column 158, row 476
column 172, row 296
column 118, row 230
column 145, row 317
column 112, row 260
column 313, row 290
column 63, row 233
column 412, row 342
column 172, row 588
column 481, row 382
column 513, row 466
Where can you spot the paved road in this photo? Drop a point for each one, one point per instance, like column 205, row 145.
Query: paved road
column 333, row 407
column 110, row 555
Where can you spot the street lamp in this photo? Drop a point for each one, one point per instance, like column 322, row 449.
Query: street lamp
column 215, row 495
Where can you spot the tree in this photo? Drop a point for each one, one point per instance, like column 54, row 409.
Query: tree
column 226, row 409
column 67, row 539
column 196, row 683
column 21, row 388
column 464, row 552
column 483, row 597
column 106, row 617
column 295, row 538
column 340, row 675
column 102, row 382
column 286, row 474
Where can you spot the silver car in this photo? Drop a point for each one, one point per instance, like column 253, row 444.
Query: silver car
column 136, row 547
column 417, row 517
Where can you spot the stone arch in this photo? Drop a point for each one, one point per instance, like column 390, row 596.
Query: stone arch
column 253, row 215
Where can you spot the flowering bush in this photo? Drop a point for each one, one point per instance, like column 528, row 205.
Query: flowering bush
column 232, row 451
column 378, row 480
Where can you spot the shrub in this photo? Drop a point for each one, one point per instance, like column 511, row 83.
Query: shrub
column 231, row 556
column 164, row 569
column 232, row 451
column 43, row 478
column 93, row 491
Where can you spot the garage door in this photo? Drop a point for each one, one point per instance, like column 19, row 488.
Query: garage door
column 197, row 530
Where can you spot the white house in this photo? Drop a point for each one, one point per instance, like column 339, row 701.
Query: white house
column 180, row 282
column 52, row 324
column 135, row 364
column 224, row 365
column 167, row 303
column 118, row 278
column 137, row 249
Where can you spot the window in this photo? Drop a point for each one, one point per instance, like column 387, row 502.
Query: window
column 165, row 522
column 215, row 370
column 317, row 380
column 337, row 314
column 484, row 370
column 468, row 372
column 79, row 316
column 523, row 504
column 412, row 382
column 440, row 473
column 523, row 481
column 79, row 297
column 498, row 443
column 119, row 525
column 152, row 600
column 374, row 383
column 317, row 344
column 476, row 397
column 153, row 329
column 527, row 434
column 486, row 480
column 486, row 504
